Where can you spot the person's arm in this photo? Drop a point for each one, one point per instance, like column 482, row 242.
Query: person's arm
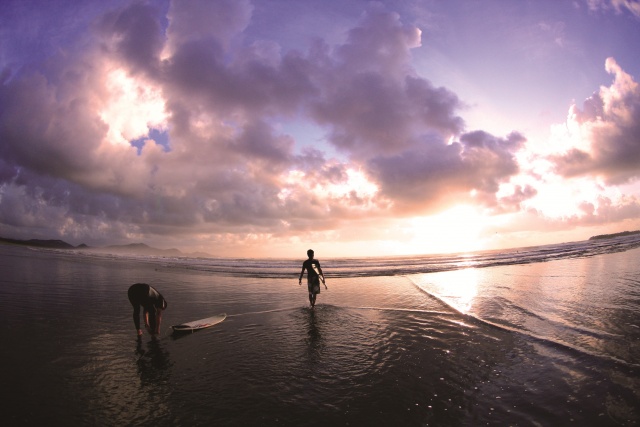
column 136, row 319
column 158, row 321
column 301, row 274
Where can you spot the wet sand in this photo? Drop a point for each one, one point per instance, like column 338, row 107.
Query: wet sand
column 513, row 345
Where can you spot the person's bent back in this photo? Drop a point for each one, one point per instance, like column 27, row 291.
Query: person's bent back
column 152, row 302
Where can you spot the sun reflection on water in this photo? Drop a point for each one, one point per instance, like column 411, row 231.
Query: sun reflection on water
column 457, row 288
column 463, row 288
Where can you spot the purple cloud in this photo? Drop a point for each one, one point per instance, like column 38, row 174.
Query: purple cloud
column 435, row 171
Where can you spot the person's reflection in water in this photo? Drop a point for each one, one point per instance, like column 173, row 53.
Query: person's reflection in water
column 154, row 362
column 314, row 337
column 139, row 350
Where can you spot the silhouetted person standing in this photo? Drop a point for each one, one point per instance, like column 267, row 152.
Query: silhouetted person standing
column 314, row 274
column 152, row 303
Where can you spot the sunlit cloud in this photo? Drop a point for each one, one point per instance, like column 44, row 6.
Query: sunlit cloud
column 132, row 109
column 604, row 134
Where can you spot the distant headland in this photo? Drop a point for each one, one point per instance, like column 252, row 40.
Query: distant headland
column 611, row 236
column 133, row 248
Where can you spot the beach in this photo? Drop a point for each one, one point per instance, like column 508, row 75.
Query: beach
column 550, row 341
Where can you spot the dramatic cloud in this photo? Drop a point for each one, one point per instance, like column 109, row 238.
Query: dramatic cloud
column 370, row 97
column 434, row 170
column 607, row 132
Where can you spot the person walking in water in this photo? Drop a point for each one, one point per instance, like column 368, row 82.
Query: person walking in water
column 152, row 302
column 314, row 274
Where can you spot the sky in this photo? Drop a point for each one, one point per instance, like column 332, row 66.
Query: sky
column 264, row 128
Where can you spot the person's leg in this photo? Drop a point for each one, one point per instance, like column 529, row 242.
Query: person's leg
column 158, row 320
column 154, row 320
column 314, row 288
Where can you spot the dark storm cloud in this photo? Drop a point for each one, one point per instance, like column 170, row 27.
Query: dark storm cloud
column 435, row 171
column 135, row 35
column 222, row 21
column 48, row 125
column 371, row 99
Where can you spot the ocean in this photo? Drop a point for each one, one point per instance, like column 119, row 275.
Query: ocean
column 543, row 336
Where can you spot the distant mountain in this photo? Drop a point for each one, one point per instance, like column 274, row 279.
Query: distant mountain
column 54, row 244
column 610, row 236
column 142, row 249
column 133, row 248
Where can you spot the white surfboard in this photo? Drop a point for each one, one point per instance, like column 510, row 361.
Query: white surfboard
column 199, row 324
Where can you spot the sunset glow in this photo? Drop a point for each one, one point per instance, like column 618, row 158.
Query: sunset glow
column 455, row 230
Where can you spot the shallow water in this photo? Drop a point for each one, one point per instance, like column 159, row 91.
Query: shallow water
column 526, row 343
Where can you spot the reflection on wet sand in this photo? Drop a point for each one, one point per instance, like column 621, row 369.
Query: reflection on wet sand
column 154, row 362
column 314, row 338
column 459, row 289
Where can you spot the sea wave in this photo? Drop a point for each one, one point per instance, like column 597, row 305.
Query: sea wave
column 389, row 266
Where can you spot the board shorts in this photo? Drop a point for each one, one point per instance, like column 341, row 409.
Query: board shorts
column 313, row 284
